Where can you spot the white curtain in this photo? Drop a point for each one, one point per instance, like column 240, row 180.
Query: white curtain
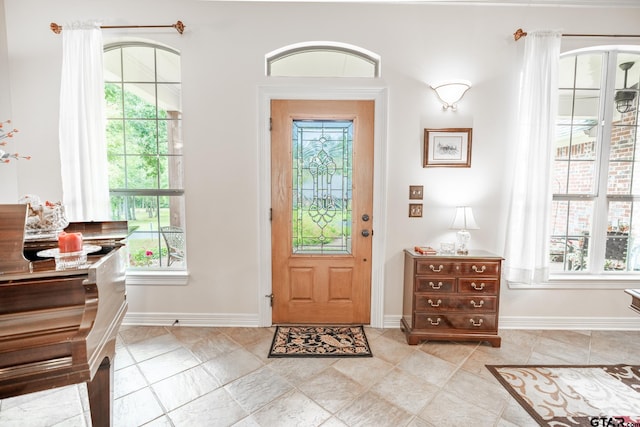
column 526, row 253
column 83, row 149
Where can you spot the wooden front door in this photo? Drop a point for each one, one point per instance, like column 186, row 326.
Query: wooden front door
column 322, row 201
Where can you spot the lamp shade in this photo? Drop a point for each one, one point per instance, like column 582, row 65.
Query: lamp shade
column 451, row 92
column 464, row 219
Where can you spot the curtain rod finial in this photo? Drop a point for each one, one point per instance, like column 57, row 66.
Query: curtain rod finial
column 518, row 34
column 55, row 28
column 179, row 26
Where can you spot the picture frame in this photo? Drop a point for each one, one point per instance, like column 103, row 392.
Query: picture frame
column 449, row 147
column 415, row 210
column 416, row 192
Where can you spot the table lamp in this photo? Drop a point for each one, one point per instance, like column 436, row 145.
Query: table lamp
column 462, row 222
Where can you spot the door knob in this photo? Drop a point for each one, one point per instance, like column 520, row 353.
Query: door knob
column 365, row 233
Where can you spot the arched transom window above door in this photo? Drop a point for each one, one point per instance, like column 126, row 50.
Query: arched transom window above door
column 322, row 59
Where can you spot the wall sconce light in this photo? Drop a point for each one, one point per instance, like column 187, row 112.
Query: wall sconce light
column 463, row 221
column 624, row 97
column 451, row 92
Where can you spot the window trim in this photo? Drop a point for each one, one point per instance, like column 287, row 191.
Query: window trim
column 157, row 277
column 323, row 46
column 153, row 275
column 592, row 280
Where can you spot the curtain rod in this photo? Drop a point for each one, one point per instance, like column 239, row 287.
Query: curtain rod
column 179, row 26
column 520, row 33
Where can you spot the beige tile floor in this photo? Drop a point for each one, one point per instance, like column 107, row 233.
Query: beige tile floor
column 184, row 376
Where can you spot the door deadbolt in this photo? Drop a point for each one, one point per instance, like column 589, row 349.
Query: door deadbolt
column 365, row 233
column 365, row 217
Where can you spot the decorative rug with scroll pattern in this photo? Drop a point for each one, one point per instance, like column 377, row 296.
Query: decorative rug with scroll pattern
column 320, row 341
column 569, row 395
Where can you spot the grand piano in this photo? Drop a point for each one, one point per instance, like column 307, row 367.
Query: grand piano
column 59, row 327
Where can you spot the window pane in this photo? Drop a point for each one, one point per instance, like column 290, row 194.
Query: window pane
column 575, row 153
column 113, row 100
column 323, row 63
column 322, row 159
column 582, row 177
column 141, row 136
column 170, row 136
column 168, row 66
column 618, row 236
column 140, row 100
column 560, row 181
column 571, row 228
column 112, row 65
column 169, row 97
column 589, row 70
column 139, row 64
column 623, row 174
column 142, row 172
column 117, row 172
column 627, row 85
column 115, row 137
column 567, row 69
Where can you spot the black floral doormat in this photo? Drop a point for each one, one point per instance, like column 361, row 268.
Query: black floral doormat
column 320, row 341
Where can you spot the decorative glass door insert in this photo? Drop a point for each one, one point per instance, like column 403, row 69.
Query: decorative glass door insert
column 322, row 181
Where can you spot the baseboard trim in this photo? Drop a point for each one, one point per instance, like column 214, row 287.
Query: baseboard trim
column 192, row 319
column 390, row 321
column 548, row 322
column 571, row 323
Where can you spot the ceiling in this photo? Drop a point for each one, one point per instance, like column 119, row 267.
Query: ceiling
column 555, row 3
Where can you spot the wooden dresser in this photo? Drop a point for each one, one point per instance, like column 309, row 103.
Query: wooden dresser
column 451, row 297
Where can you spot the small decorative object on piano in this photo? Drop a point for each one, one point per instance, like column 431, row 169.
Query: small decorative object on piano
column 44, row 218
column 69, row 242
column 425, row 250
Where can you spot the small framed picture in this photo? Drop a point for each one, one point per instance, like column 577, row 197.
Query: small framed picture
column 415, row 192
column 415, row 210
column 447, row 148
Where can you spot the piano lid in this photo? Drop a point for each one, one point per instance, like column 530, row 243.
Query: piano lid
column 14, row 218
column 100, row 233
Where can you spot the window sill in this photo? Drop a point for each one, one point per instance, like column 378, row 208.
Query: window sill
column 158, row 278
column 587, row 281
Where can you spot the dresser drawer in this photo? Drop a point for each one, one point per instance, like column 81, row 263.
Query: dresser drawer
column 434, row 303
column 435, row 284
column 478, row 286
column 480, row 268
column 432, row 267
column 468, row 322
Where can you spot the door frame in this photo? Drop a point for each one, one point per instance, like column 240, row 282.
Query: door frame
column 319, row 92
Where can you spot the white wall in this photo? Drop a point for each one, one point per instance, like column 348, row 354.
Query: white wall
column 8, row 172
column 223, row 51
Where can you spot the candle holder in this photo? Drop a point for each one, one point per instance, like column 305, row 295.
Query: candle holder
column 69, row 260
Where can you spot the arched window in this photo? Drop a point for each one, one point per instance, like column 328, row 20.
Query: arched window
column 322, row 59
column 595, row 218
column 144, row 148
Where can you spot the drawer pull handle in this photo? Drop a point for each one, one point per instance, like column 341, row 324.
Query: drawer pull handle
column 434, row 286
column 477, row 305
column 435, row 304
column 479, row 270
column 436, row 270
column 476, row 324
column 436, row 323
column 477, row 287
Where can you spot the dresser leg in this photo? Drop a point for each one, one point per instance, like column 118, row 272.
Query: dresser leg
column 101, row 395
column 495, row 342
